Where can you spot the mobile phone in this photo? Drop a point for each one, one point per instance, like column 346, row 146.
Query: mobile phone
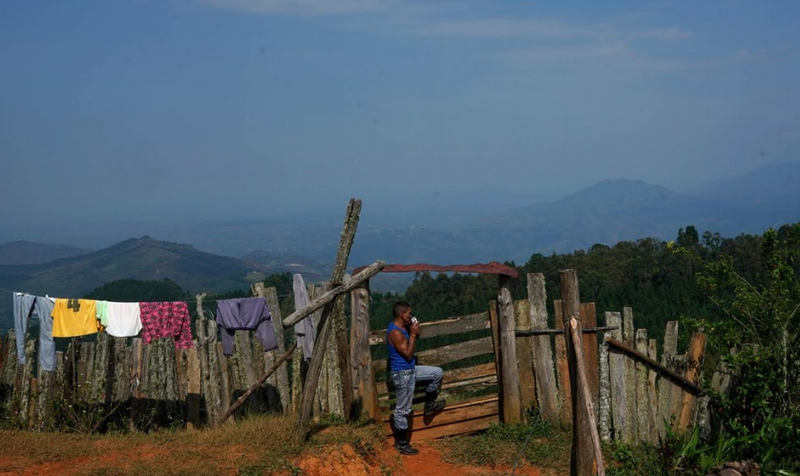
column 414, row 319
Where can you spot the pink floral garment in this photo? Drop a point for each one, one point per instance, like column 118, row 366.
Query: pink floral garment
column 166, row 319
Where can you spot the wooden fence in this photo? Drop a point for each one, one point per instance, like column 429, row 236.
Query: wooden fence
column 101, row 380
column 121, row 381
column 636, row 396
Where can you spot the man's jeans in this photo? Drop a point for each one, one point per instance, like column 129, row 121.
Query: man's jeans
column 404, row 381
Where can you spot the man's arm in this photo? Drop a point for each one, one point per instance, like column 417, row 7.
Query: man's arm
column 404, row 347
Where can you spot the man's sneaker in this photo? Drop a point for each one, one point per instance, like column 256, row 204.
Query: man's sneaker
column 434, row 406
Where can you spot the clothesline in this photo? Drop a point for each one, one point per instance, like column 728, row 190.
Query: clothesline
column 175, row 300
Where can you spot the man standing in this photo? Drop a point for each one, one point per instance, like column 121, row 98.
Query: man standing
column 401, row 338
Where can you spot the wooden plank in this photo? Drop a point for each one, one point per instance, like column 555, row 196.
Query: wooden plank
column 120, row 370
column 584, row 395
column 280, row 378
column 640, row 357
column 619, row 394
column 446, row 354
column 85, row 362
column 24, row 395
column 562, row 367
column 583, row 455
column 214, row 395
column 206, row 409
column 495, row 323
column 542, row 353
column 527, row 383
column 604, row 402
column 694, row 358
column 509, row 391
column 589, row 319
column 678, row 365
column 193, row 388
column 460, row 428
column 652, row 390
column 565, row 391
column 171, row 381
column 452, row 376
column 629, row 336
column 448, row 326
column 642, row 390
column 451, row 415
column 100, row 386
column 34, row 386
column 45, row 396
column 9, row 368
column 365, row 392
column 324, row 330
column 136, row 373
column 224, row 382
column 664, row 385
column 336, row 360
column 241, row 364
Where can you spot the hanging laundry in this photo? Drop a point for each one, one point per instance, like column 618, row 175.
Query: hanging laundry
column 123, row 319
column 245, row 314
column 101, row 308
column 75, row 318
column 166, row 319
column 305, row 329
column 25, row 307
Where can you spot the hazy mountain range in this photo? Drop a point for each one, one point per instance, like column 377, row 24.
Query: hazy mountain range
column 607, row 212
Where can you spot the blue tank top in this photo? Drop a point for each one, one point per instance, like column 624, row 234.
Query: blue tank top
column 397, row 361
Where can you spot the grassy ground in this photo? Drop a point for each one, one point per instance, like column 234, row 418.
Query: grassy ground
column 262, row 445
column 256, row 446
column 540, row 444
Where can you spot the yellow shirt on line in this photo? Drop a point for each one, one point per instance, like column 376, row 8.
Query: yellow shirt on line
column 75, row 318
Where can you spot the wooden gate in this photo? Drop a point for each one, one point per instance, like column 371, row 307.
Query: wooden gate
column 465, row 347
column 470, row 349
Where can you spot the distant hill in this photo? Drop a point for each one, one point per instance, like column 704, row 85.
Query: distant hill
column 138, row 258
column 143, row 258
column 148, row 259
column 28, row 252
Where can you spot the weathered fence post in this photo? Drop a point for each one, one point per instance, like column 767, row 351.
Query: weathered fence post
column 342, row 256
column 619, row 394
column 629, row 336
column 543, row 357
column 665, row 386
column 642, row 392
column 582, row 451
column 524, row 344
column 562, row 366
column 281, row 376
column 365, row 400
column 512, row 409
column 589, row 319
column 585, row 393
column 604, row 402
column 696, row 348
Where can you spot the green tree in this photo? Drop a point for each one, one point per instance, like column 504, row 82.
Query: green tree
column 758, row 339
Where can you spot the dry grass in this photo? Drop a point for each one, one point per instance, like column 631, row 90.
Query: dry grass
column 260, row 445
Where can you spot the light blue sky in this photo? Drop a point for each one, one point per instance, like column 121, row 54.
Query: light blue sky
column 211, row 109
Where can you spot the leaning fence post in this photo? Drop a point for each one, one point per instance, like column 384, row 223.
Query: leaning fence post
column 315, row 366
column 582, row 454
